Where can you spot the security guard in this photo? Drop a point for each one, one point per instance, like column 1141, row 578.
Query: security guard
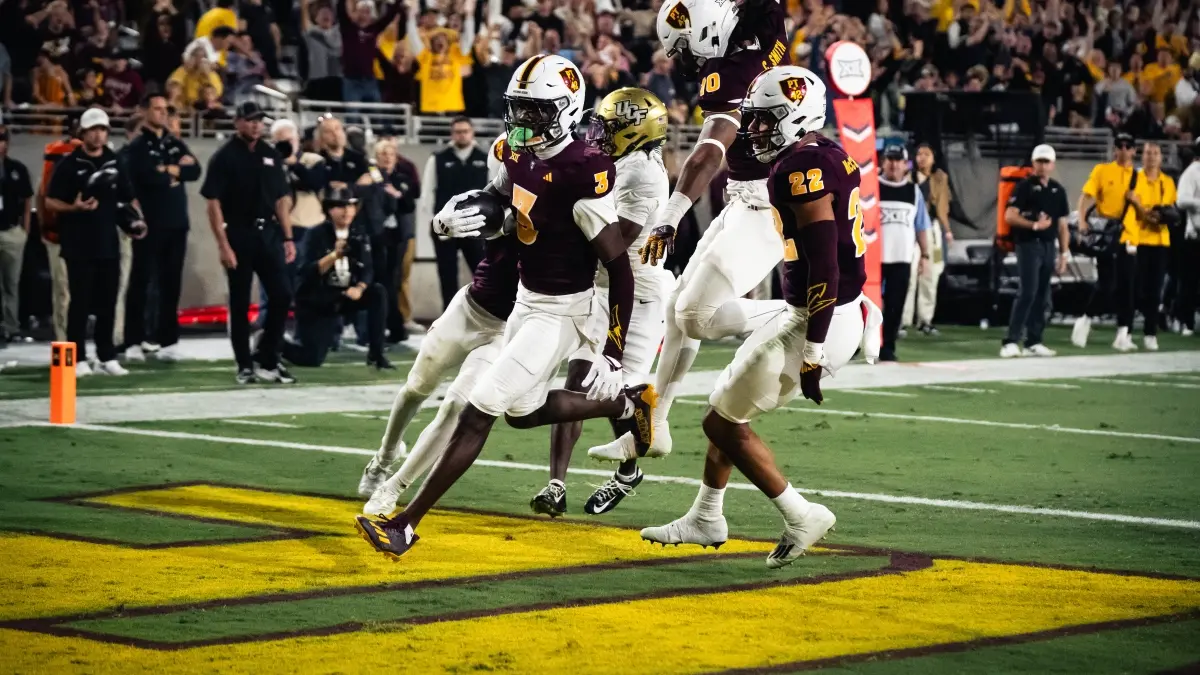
column 248, row 211
column 92, row 198
column 1147, row 238
column 16, row 192
column 1106, row 188
column 337, row 279
column 457, row 169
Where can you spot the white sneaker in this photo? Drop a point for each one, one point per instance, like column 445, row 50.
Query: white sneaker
column 169, row 354
column 383, row 499
column 415, row 328
column 1186, row 332
column 374, row 474
column 150, row 347
column 795, row 541
column 1175, row 325
column 689, row 530
column 1080, row 331
column 1124, row 343
column 112, row 367
column 82, row 369
column 1010, row 351
column 135, row 354
column 1150, row 342
column 1040, row 350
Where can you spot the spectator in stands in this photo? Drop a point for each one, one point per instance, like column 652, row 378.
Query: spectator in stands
column 457, row 169
column 1037, row 213
column 51, row 86
column 323, row 42
column 442, row 64
column 222, row 14
column 922, row 290
column 89, row 92
column 258, row 23
column 162, row 46
column 1120, row 98
column 1146, row 234
column 16, row 193
column 193, row 77
column 245, row 68
column 6, row 77
column 658, row 80
column 360, row 31
column 1162, row 75
column 123, row 85
column 160, row 163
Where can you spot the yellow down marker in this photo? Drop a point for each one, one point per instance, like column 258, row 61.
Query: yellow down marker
column 952, row 601
column 43, row 576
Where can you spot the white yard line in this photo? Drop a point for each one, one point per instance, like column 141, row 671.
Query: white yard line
column 362, row 416
column 879, row 392
column 982, row 423
column 1043, row 385
column 681, row 480
column 960, row 390
column 1140, row 383
column 259, row 423
column 1176, row 376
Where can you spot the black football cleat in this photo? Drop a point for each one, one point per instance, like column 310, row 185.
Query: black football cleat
column 611, row 493
column 645, row 400
column 552, row 500
column 390, row 536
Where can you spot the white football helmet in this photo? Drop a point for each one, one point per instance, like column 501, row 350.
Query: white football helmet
column 543, row 103
column 696, row 30
column 782, row 105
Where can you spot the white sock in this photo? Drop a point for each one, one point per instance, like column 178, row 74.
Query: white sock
column 792, row 505
column 404, row 408
column 430, row 445
column 678, row 354
column 709, row 502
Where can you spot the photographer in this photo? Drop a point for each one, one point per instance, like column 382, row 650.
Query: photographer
column 336, row 280
column 92, row 197
column 1147, row 239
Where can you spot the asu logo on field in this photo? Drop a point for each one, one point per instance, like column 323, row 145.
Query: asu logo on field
column 679, row 18
column 794, row 88
column 570, row 77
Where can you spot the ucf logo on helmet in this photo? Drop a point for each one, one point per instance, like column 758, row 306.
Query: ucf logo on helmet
column 630, row 111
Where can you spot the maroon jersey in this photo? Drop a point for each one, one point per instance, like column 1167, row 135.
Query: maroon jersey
column 805, row 173
column 556, row 258
column 724, row 81
column 494, row 285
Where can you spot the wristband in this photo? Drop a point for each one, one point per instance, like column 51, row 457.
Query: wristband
column 813, row 351
column 287, row 239
column 676, row 208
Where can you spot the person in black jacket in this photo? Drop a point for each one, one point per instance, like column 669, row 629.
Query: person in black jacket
column 388, row 205
column 93, row 197
column 336, row 280
column 159, row 164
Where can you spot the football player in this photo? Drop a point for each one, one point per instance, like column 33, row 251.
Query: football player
column 814, row 192
column 726, row 44
column 469, row 333
column 561, row 193
column 630, row 126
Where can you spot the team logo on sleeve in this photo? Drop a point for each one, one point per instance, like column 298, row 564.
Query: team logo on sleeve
column 498, row 150
column 679, row 18
column 794, row 88
column 570, row 77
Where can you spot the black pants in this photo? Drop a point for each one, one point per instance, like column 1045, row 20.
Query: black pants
column 259, row 252
column 895, row 290
column 1139, row 286
column 393, row 246
column 1035, row 266
column 317, row 326
column 1189, row 279
column 157, row 259
column 1104, row 292
column 447, row 263
column 93, row 285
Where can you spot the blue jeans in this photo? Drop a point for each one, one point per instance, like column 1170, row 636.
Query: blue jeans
column 364, row 90
column 1035, row 266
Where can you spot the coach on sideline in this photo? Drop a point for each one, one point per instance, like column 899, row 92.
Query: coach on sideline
column 249, row 212
column 1037, row 213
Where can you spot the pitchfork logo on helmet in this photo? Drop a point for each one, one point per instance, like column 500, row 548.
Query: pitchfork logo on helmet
column 543, row 103
column 696, row 30
column 782, row 105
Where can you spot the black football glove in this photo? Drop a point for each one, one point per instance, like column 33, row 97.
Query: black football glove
column 810, row 382
column 659, row 245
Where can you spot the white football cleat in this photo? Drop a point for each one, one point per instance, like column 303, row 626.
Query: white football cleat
column 150, row 347
column 1040, row 350
column 660, row 446
column 1150, row 342
column 1124, row 343
column 1080, row 331
column 1010, row 351
column 1186, row 332
column 689, row 530
column 169, row 354
column 135, row 354
column 112, row 367
column 374, row 474
column 383, row 500
column 82, row 369
column 795, row 541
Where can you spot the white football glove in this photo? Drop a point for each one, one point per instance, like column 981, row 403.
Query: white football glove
column 454, row 223
column 604, row 381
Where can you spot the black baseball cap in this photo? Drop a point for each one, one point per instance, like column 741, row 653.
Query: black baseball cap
column 338, row 196
column 249, row 110
column 895, row 152
column 1124, row 139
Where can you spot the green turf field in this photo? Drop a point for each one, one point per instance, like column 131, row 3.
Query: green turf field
column 989, row 527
